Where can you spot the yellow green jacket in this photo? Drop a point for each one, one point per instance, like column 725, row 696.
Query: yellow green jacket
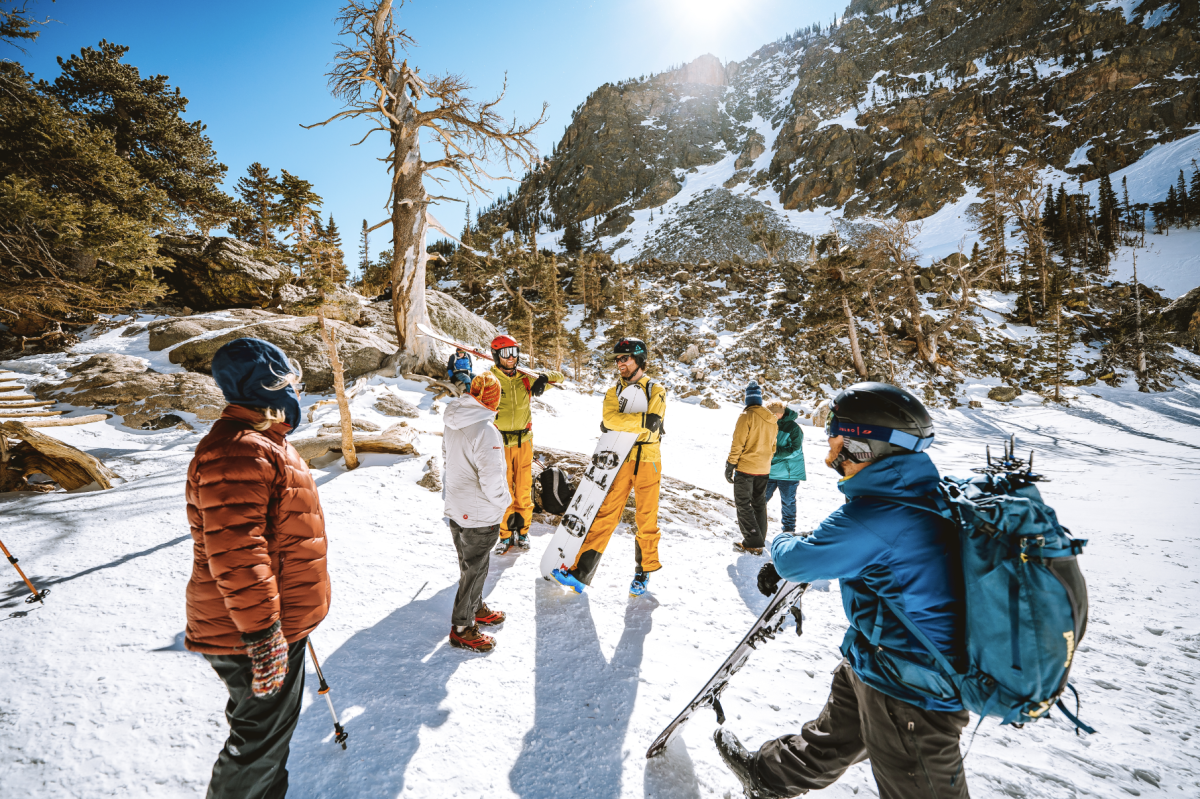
column 513, row 413
column 636, row 422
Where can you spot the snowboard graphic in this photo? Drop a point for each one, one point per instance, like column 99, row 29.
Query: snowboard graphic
column 765, row 627
column 429, row 333
column 611, row 451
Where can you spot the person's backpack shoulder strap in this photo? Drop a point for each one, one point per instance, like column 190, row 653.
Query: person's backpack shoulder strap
column 662, row 430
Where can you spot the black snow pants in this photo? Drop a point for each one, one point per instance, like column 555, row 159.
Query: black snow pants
column 474, row 546
column 913, row 752
column 253, row 762
column 750, row 497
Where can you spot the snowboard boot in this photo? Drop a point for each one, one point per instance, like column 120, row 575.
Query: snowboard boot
column 488, row 617
column 503, row 545
column 568, row 580
column 522, row 541
column 638, row 586
column 740, row 547
column 741, row 762
column 472, row 639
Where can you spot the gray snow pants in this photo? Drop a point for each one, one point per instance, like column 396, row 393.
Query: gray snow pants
column 253, row 762
column 474, row 545
column 913, row 752
column 750, row 497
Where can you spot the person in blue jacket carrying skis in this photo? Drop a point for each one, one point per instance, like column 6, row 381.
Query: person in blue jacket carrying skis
column 889, row 702
column 458, row 368
column 787, row 465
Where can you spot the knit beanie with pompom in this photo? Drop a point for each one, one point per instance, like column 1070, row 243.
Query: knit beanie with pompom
column 486, row 388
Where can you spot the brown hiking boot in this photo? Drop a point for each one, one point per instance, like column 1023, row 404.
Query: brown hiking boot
column 471, row 638
column 740, row 547
column 488, row 617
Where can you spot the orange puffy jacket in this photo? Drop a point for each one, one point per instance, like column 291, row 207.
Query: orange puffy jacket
column 258, row 537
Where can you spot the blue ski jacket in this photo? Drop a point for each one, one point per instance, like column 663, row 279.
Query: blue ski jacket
column 462, row 364
column 880, row 549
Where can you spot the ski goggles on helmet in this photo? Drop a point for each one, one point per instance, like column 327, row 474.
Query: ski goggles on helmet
column 835, row 427
column 508, row 352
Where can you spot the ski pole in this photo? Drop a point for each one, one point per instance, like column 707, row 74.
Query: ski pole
column 340, row 735
column 36, row 596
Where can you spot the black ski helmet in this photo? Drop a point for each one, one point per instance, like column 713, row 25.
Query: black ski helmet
column 877, row 420
column 632, row 346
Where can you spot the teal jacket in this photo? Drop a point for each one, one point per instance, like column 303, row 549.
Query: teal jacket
column 788, row 463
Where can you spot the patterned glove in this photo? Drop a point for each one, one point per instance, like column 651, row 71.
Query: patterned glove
column 268, row 651
column 729, row 467
column 768, row 579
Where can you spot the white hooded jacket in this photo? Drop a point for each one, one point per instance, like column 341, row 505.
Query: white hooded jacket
column 475, row 483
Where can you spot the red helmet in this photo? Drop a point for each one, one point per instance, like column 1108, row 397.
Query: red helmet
column 502, row 343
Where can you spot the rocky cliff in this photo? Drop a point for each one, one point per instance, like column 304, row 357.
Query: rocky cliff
column 898, row 108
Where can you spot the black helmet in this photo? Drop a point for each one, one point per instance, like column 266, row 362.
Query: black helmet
column 877, row 420
column 632, row 346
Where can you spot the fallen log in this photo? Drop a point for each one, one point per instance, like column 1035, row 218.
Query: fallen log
column 24, row 452
column 69, row 421
column 455, row 389
column 16, row 397
column 6, row 405
column 399, row 439
column 23, row 414
column 13, row 387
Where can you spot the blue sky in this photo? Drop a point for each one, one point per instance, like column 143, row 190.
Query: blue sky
column 255, row 70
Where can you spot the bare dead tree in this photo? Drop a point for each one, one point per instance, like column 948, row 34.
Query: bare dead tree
column 374, row 80
column 891, row 247
column 1022, row 193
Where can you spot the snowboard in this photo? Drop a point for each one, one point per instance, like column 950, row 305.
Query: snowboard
column 611, row 451
column 765, row 627
column 429, row 333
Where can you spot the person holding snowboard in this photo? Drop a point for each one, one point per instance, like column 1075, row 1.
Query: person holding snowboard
column 515, row 422
column 259, row 584
column 889, row 702
column 458, row 368
column 641, row 472
column 475, row 490
column 748, row 468
column 787, row 466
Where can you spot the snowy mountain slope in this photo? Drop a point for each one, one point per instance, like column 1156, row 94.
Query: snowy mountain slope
column 105, row 703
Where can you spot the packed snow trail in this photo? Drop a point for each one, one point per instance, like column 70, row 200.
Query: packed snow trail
column 102, row 699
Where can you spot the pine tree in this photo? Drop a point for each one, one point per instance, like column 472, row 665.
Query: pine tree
column 1181, row 197
column 259, row 191
column 1194, row 194
column 1106, row 222
column 1127, row 213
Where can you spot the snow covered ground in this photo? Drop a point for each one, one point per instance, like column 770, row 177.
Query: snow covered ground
column 103, row 701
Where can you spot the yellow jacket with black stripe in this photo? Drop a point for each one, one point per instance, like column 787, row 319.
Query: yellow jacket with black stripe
column 649, row 429
column 513, row 414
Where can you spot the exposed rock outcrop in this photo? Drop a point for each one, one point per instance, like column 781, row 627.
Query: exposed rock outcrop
column 360, row 351
column 134, row 391
column 166, row 333
column 213, row 273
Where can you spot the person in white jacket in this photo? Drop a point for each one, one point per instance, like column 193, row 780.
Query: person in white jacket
column 475, row 489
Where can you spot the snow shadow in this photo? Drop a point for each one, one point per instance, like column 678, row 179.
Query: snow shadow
column 395, row 675
column 583, row 701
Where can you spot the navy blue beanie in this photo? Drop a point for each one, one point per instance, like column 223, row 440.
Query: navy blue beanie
column 753, row 394
column 244, row 366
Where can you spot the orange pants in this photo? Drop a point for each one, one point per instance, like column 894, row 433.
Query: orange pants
column 645, row 486
column 519, row 463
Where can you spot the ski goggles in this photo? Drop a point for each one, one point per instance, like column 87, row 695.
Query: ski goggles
column 834, row 427
column 508, row 352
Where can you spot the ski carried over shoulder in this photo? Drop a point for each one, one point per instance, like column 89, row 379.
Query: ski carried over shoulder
column 428, row 332
column 764, row 628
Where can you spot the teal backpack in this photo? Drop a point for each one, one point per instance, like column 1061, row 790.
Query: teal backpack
column 1026, row 600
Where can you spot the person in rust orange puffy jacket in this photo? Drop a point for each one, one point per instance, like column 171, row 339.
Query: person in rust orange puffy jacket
column 259, row 584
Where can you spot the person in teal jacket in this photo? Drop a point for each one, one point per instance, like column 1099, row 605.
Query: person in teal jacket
column 787, row 467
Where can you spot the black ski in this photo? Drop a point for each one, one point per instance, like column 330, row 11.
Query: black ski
column 765, row 627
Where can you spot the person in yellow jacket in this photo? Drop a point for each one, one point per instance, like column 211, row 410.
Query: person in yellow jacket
column 749, row 467
column 515, row 422
column 641, row 472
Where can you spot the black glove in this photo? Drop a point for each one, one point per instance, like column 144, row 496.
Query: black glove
column 539, row 385
column 768, row 579
column 729, row 467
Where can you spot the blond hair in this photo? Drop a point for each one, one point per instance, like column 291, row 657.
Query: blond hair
column 271, row 416
column 775, row 406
